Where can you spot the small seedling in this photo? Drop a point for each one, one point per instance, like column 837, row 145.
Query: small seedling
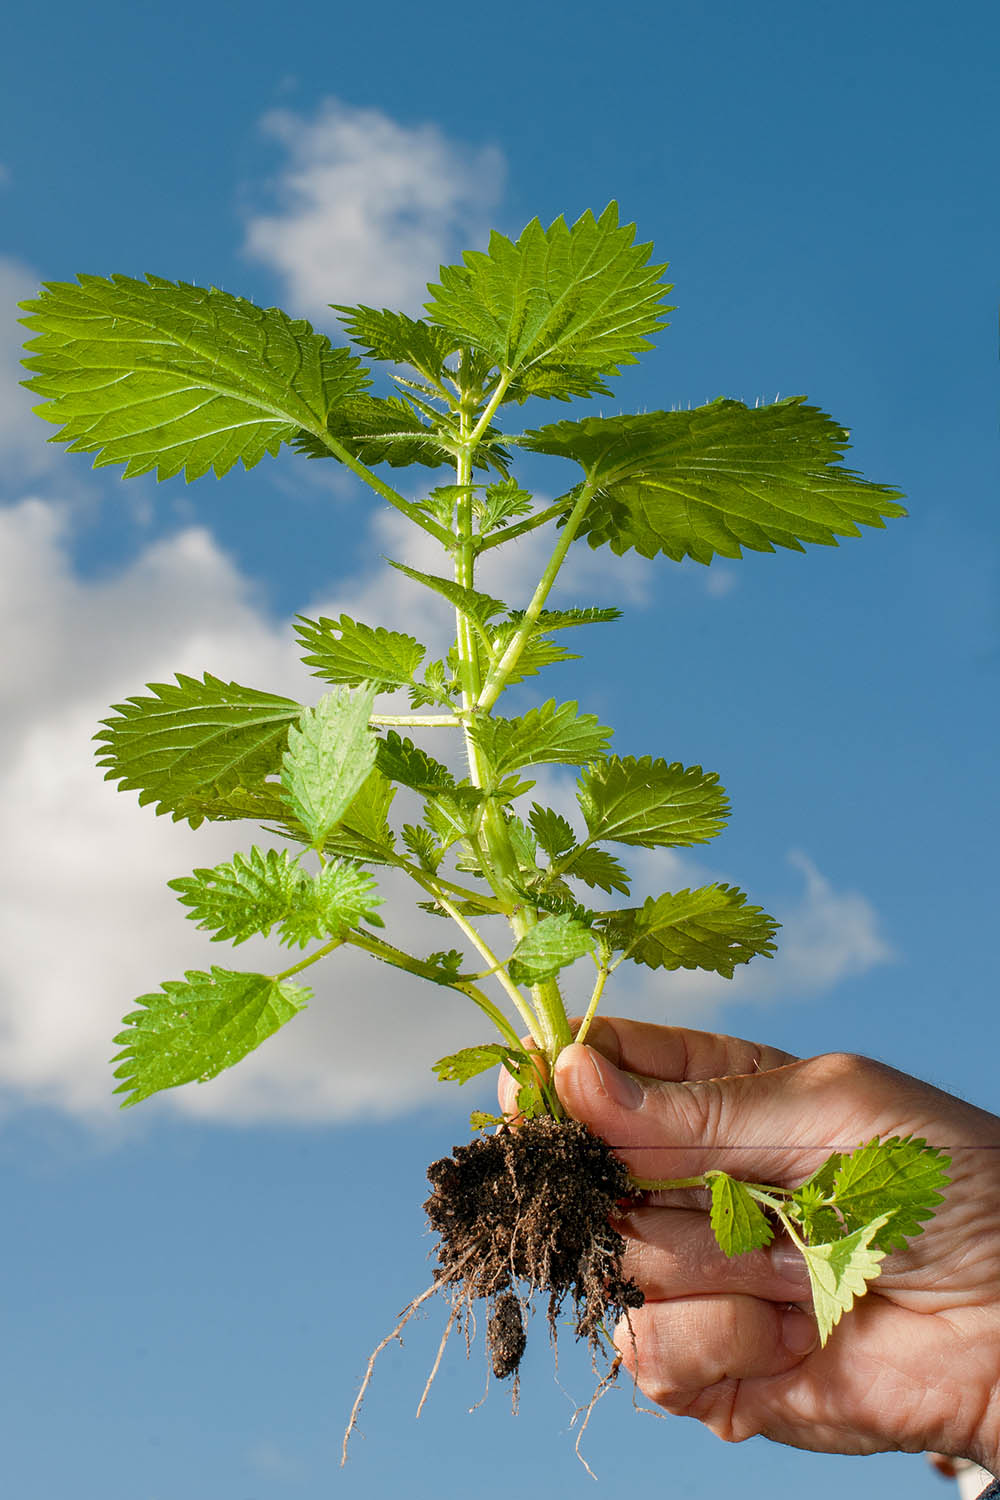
column 170, row 378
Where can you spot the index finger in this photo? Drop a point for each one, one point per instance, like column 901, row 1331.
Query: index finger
column 678, row 1054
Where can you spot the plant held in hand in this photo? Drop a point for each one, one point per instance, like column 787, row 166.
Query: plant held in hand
column 172, row 378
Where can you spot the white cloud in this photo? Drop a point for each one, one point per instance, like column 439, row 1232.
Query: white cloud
column 86, row 924
column 367, row 209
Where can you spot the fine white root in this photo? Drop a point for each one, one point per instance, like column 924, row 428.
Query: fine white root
column 602, row 1390
column 437, row 1362
column 370, row 1370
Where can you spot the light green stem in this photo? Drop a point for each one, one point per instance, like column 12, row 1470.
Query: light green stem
column 595, row 1000
column 412, row 512
column 497, row 677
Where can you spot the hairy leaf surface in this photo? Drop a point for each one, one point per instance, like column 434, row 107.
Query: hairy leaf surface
column 331, row 752
column 247, row 895
column 196, row 1027
column 388, row 335
column 559, row 308
column 169, row 377
column 551, row 830
column 649, row 802
column 717, row 479
column 330, row 904
column 194, row 742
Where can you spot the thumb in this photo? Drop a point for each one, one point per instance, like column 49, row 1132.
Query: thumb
column 760, row 1127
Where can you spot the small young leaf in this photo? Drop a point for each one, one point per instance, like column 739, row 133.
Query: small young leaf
column 547, row 735
column 480, row 1120
column 242, row 898
column 471, row 1061
column 902, row 1178
column 393, row 336
column 551, row 830
column 810, row 1206
column 195, row 742
column 346, row 651
column 334, row 901
column 710, row 928
column 328, row 760
column 563, row 619
column 478, row 606
column 840, row 1272
column 375, row 431
column 166, row 376
column 539, row 652
column 503, row 501
column 199, row 1026
column 596, row 867
column 423, row 846
column 738, row 1221
column 550, row 946
column 651, row 803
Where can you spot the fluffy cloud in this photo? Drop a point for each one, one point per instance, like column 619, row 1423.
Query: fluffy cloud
column 85, row 921
column 367, row 209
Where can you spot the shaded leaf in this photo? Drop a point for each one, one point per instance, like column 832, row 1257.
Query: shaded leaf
column 193, row 742
column 329, row 757
column 551, row 830
column 549, row 946
column 597, row 868
column 548, row 735
column 401, row 760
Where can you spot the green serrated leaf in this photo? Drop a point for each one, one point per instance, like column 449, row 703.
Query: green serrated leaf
column 459, row 1067
column 597, row 868
column 903, row 1178
column 194, row 742
column 480, row 1120
column 717, row 479
column 710, row 928
column 364, row 831
column 551, row 830
column 401, row 760
column 337, row 899
column 501, row 502
column 559, row 308
column 738, row 1221
column 478, row 606
column 548, row 735
column 345, row 651
column 196, row 1027
column 436, row 687
column 840, row 1272
column 423, row 846
column 538, row 652
column 377, row 430
column 551, row 945
column 564, row 619
column 393, row 336
column 329, row 757
column 244, row 897
column 810, row 1206
column 649, row 802
column 175, row 378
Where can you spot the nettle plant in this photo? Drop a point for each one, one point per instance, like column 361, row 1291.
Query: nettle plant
column 172, row 378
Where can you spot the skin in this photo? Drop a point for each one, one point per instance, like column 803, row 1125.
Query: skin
column 915, row 1365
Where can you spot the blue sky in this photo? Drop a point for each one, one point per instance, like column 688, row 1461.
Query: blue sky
column 193, row 1286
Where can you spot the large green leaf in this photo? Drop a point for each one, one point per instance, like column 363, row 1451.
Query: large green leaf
column 711, row 928
column 550, row 734
column 558, row 309
column 649, row 802
column 193, row 743
column 198, row 1026
column 166, row 376
column 347, row 651
column 331, row 752
column 717, row 479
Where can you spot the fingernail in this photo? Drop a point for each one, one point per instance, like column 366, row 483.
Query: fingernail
column 787, row 1263
column 621, row 1088
column 798, row 1330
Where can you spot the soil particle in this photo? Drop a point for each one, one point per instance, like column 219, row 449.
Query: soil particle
column 530, row 1206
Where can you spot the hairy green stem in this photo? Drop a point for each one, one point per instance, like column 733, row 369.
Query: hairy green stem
column 510, row 533
column 412, row 512
column 497, row 676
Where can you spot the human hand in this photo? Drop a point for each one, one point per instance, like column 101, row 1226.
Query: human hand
column 915, row 1364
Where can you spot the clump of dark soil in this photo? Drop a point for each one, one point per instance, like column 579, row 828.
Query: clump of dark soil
column 529, row 1207
column 523, row 1211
